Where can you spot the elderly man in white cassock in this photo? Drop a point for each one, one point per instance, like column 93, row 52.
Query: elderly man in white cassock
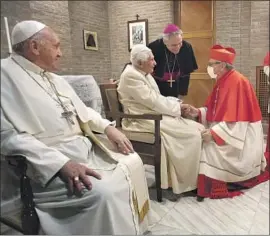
column 180, row 137
column 82, row 185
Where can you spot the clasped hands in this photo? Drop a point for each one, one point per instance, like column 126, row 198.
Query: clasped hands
column 76, row 175
column 189, row 111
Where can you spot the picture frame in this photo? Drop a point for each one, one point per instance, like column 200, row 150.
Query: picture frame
column 90, row 40
column 137, row 32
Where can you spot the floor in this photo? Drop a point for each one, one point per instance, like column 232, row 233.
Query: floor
column 243, row 215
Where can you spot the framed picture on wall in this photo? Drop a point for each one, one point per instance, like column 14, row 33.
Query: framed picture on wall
column 90, row 40
column 137, row 32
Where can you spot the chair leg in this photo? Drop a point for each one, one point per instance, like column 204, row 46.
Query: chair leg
column 158, row 182
column 30, row 220
column 159, row 194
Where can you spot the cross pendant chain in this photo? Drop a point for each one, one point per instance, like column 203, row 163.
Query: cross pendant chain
column 170, row 72
column 68, row 115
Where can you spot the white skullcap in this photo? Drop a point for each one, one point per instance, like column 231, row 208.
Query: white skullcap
column 24, row 30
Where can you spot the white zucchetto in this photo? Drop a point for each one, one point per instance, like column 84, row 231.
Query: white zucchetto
column 24, row 30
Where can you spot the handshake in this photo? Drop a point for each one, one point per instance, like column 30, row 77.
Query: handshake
column 191, row 112
column 188, row 111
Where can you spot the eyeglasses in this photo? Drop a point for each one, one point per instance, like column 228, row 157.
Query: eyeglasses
column 213, row 63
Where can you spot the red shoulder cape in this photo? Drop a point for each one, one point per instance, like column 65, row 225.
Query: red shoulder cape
column 236, row 100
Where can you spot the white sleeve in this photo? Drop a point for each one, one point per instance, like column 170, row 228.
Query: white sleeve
column 202, row 116
column 233, row 133
column 141, row 92
column 44, row 161
column 97, row 123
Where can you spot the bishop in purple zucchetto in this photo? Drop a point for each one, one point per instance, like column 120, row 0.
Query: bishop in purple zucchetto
column 175, row 61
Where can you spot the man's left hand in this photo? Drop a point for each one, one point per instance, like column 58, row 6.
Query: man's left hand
column 207, row 136
column 119, row 140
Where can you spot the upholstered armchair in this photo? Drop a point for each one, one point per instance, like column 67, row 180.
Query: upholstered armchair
column 87, row 89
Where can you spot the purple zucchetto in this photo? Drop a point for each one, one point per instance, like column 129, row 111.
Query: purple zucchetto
column 171, row 28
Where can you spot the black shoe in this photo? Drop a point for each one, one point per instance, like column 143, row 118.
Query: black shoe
column 192, row 193
column 200, row 199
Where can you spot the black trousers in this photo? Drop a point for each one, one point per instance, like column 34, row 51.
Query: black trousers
column 179, row 87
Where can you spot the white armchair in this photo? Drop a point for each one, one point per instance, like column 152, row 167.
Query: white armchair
column 88, row 90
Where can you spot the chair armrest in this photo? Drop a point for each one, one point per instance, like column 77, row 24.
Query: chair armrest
column 15, row 157
column 156, row 117
column 142, row 116
column 20, row 160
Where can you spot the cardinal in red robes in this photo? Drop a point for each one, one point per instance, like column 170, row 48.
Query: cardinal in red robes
column 232, row 152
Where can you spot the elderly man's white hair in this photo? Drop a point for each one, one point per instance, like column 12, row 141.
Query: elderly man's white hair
column 139, row 53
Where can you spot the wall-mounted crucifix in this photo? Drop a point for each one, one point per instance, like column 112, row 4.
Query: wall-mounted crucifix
column 137, row 17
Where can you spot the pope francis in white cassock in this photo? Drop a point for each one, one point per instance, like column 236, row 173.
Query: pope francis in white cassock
column 43, row 119
column 180, row 137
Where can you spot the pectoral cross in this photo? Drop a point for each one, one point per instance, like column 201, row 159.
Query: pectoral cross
column 171, row 80
column 68, row 115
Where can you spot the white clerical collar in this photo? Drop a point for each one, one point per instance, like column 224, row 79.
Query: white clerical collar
column 142, row 72
column 26, row 64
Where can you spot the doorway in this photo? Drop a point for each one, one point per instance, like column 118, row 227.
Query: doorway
column 197, row 21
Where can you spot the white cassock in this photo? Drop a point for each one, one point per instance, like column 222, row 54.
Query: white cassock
column 32, row 125
column 180, row 138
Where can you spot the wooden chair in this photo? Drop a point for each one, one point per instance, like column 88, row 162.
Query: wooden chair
column 147, row 145
column 26, row 219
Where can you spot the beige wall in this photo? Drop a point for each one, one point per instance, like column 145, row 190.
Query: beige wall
column 68, row 19
column 92, row 16
column 241, row 24
column 245, row 26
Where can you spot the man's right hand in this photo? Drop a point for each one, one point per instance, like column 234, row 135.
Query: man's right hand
column 76, row 175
